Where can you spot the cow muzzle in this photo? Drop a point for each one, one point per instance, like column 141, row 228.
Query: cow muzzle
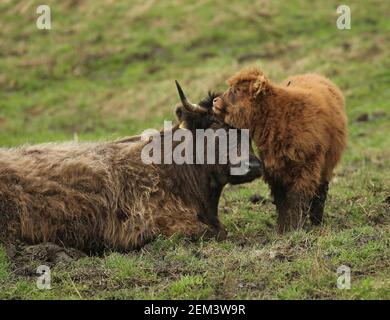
column 255, row 170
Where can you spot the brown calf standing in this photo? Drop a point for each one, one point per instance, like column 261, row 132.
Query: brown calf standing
column 300, row 129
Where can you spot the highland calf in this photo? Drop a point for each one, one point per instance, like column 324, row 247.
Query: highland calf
column 300, row 129
column 96, row 196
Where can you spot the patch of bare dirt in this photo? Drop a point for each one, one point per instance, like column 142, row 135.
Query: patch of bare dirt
column 362, row 117
column 156, row 51
column 2, row 121
column 269, row 51
column 258, row 198
column 365, row 117
column 25, row 258
column 378, row 219
column 378, row 115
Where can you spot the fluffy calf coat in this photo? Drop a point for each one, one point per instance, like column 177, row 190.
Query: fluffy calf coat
column 300, row 129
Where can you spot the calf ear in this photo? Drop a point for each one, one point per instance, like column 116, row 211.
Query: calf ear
column 259, row 86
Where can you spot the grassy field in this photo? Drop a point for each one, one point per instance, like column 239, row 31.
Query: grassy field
column 106, row 70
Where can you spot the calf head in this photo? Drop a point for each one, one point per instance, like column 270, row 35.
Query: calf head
column 243, row 98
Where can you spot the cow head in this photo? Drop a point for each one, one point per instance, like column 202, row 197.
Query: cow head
column 201, row 116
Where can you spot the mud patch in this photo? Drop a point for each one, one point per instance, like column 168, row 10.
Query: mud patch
column 362, row 118
column 25, row 258
column 3, row 121
column 365, row 117
column 258, row 198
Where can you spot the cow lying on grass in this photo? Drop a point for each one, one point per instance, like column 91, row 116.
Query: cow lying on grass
column 300, row 129
column 96, row 196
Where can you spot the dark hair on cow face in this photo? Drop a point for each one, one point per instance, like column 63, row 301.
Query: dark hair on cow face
column 198, row 116
column 192, row 120
column 201, row 116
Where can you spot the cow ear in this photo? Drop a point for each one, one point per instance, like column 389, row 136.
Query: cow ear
column 179, row 113
column 259, row 86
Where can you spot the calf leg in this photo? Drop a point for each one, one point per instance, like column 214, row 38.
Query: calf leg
column 283, row 204
column 318, row 204
column 292, row 208
column 293, row 213
column 279, row 195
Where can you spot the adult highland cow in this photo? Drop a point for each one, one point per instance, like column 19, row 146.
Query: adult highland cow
column 96, row 196
column 300, row 129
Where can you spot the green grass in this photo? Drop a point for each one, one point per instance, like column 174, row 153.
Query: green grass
column 4, row 266
column 106, row 70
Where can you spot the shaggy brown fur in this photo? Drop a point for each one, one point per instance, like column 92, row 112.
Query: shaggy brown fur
column 300, row 129
column 96, row 196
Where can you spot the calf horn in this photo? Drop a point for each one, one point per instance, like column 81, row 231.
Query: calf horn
column 191, row 107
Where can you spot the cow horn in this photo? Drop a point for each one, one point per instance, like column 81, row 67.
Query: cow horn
column 191, row 107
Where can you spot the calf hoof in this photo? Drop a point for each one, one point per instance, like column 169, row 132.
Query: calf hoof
column 316, row 221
